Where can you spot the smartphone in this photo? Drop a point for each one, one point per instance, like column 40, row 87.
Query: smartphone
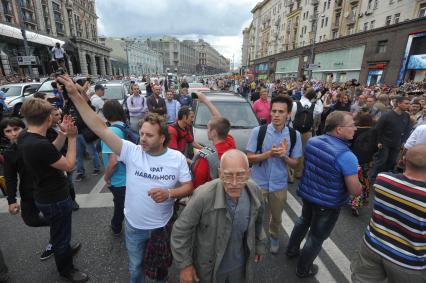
column 194, row 95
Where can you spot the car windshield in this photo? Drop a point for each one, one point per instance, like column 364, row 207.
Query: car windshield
column 238, row 113
column 194, row 85
column 46, row 87
column 11, row 90
column 115, row 92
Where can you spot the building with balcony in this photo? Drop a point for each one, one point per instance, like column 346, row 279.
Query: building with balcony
column 210, row 61
column 69, row 22
column 333, row 24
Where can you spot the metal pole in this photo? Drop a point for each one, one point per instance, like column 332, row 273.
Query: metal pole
column 313, row 44
column 24, row 35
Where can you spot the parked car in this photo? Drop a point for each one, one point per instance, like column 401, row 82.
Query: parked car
column 233, row 107
column 114, row 90
column 195, row 87
column 16, row 94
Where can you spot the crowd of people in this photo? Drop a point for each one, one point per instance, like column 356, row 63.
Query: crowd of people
column 203, row 207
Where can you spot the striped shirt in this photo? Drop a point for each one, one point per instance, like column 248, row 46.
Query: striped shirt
column 397, row 229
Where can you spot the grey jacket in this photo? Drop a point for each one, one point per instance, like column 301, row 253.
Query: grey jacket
column 201, row 233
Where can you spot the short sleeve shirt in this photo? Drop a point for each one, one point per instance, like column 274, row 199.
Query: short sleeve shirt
column 118, row 178
column 144, row 172
column 271, row 174
column 418, row 136
column 39, row 154
column 348, row 164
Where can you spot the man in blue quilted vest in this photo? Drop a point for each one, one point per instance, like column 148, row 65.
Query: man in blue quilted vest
column 330, row 175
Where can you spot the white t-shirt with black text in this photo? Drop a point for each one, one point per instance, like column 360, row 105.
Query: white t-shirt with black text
column 144, row 172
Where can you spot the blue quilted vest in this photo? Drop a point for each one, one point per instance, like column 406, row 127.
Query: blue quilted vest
column 322, row 182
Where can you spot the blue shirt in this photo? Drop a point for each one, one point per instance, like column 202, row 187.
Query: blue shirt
column 172, row 110
column 185, row 100
column 271, row 174
column 118, row 178
column 348, row 164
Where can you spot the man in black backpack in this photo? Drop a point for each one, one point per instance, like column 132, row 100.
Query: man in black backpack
column 271, row 149
column 302, row 119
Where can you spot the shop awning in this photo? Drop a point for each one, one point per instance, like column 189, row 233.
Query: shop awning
column 9, row 31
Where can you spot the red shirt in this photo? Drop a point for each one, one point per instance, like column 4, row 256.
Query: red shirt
column 201, row 167
column 261, row 108
column 179, row 138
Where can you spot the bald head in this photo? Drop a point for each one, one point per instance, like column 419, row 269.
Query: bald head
column 415, row 158
column 234, row 158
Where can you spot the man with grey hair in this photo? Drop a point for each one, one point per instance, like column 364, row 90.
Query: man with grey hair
column 330, row 175
column 223, row 217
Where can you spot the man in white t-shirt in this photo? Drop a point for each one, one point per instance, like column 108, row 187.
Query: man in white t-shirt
column 155, row 176
column 418, row 136
column 59, row 55
column 96, row 99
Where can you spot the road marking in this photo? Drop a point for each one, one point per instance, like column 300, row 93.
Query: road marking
column 341, row 261
column 84, row 200
column 99, row 186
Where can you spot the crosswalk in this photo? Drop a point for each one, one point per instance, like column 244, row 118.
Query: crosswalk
column 96, row 199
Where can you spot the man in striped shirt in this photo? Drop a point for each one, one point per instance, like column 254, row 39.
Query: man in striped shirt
column 394, row 246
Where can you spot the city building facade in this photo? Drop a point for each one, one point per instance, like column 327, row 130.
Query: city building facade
column 72, row 23
column 137, row 56
column 285, row 35
column 189, row 57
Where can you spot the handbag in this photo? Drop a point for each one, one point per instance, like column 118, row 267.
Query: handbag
column 88, row 135
column 158, row 254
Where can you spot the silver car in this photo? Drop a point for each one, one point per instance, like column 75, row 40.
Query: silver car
column 16, row 94
column 233, row 107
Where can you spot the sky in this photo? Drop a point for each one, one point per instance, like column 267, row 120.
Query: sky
column 219, row 22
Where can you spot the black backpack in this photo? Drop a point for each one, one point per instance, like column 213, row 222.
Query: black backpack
column 261, row 137
column 304, row 118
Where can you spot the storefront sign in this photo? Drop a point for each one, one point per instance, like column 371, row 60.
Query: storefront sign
column 27, row 60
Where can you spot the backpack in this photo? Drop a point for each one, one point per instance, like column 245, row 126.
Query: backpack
column 210, row 154
column 261, row 137
column 304, row 118
column 129, row 134
column 178, row 130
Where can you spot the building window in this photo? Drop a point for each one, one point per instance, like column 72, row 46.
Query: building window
column 370, row 2
column 422, row 11
column 372, row 24
column 396, row 18
column 365, row 26
column 328, row 4
column 334, row 34
column 322, row 23
column 376, row 3
column 326, row 21
column 388, row 20
column 381, row 46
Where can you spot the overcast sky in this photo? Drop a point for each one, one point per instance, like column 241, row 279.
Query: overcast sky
column 219, row 22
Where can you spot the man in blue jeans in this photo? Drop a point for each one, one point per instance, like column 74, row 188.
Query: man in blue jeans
column 155, row 177
column 330, row 173
column 115, row 171
column 51, row 190
column 82, row 145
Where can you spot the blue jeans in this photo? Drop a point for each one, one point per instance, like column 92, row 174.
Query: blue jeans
column 136, row 240
column 58, row 215
column 119, row 194
column 320, row 222
column 81, row 149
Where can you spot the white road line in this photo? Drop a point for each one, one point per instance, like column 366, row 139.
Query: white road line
column 84, row 200
column 99, row 186
column 341, row 261
column 323, row 274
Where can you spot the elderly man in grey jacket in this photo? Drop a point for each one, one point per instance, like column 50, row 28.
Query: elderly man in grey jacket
column 219, row 235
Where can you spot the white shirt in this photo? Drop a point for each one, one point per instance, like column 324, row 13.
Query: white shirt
column 418, row 136
column 97, row 102
column 144, row 172
column 306, row 103
column 58, row 53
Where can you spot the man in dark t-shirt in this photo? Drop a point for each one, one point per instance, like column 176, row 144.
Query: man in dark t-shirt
column 51, row 192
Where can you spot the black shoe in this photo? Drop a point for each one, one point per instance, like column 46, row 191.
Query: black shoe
column 312, row 272
column 47, row 253
column 292, row 254
column 79, row 177
column 75, row 248
column 76, row 276
column 75, row 205
column 96, row 172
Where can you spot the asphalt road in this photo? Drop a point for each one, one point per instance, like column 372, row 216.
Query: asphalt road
column 104, row 257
